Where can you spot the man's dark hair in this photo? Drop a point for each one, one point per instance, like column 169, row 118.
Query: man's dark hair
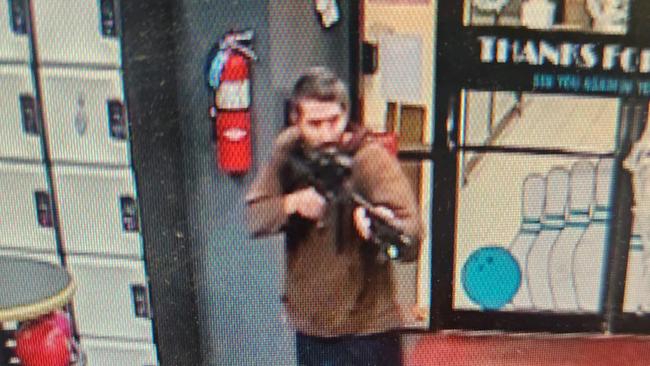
column 321, row 84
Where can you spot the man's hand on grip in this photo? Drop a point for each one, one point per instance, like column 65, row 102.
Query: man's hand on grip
column 306, row 202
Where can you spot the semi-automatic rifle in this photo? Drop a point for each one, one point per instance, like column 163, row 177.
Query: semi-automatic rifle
column 328, row 171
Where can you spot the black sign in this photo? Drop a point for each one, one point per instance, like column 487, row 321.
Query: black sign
column 497, row 59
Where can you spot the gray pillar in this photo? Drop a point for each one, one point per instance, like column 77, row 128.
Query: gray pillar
column 239, row 280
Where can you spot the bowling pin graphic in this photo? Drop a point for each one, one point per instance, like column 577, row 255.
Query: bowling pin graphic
column 553, row 221
column 590, row 255
column 609, row 16
column 634, row 277
column 642, row 229
column 637, row 290
column 532, row 205
column 581, row 197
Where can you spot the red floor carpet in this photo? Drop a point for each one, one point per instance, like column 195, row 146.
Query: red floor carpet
column 502, row 350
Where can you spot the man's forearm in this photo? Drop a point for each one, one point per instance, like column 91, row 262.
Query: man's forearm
column 384, row 184
column 266, row 216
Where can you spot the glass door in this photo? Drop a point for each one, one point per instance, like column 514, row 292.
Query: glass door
column 535, row 176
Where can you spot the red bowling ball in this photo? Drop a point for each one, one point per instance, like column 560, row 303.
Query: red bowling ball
column 42, row 343
column 61, row 320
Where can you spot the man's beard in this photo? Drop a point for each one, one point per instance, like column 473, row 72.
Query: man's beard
column 326, row 147
column 330, row 146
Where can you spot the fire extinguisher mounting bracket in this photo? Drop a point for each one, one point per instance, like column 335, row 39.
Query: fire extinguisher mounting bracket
column 233, row 41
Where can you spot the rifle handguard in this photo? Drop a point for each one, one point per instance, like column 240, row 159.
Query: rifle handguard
column 327, row 171
column 391, row 241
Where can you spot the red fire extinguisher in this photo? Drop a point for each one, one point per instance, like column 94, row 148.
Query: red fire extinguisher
column 230, row 77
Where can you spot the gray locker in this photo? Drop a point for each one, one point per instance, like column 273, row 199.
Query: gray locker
column 21, row 254
column 77, row 32
column 19, row 126
column 85, row 116
column 112, row 298
column 110, row 353
column 98, row 211
column 14, row 39
column 25, row 208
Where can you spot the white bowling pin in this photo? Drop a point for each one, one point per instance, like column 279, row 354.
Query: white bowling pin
column 553, row 221
column 533, row 194
column 590, row 256
column 581, row 197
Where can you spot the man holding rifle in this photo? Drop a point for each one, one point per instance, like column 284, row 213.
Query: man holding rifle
column 339, row 289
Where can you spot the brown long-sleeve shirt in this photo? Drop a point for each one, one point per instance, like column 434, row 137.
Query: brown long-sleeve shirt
column 331, row 288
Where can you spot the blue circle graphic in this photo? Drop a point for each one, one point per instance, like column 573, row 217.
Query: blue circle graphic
column 491, row 277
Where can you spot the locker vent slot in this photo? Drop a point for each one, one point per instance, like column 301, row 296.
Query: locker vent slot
column 43, row 209
column 117, row 120
column 28, row 112
column 18, row 9
column 130, row 222
column 109, row 18
column 141, row 301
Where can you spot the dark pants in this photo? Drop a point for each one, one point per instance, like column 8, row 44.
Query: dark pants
column 372, row 350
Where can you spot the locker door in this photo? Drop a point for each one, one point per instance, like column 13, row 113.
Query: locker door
column 19, row 127
column 112, row 298
column 110, row 353
column 98, row 211
column 13, row 31
column 25, row 209
column 43, row 257
column 85, row 116
column 77, row 32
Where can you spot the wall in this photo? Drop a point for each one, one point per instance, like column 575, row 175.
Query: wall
column 418, row 20
column 239, row 280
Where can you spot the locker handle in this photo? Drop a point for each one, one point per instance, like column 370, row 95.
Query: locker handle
column 18, row 9
column 43, row 209
column 29, row 116
column 129, row 208
column 140, row 298
column 108, row 18
column 117, row 120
